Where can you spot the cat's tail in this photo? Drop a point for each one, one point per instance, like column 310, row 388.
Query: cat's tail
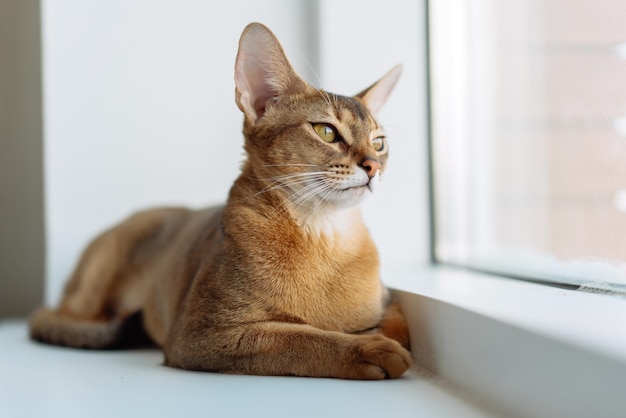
column 53, row 327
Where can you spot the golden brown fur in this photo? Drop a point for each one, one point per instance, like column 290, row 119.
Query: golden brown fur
column 283, row 279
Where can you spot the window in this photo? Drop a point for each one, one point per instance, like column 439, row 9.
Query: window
column 528, row 120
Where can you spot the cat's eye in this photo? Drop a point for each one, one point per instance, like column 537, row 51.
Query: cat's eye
column 326, row 132
column 378, row 143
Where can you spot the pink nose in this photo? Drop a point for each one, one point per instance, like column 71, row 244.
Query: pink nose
column 370, row 166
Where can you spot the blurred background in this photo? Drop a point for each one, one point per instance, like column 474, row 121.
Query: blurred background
column 529, row 138
column 108, row 107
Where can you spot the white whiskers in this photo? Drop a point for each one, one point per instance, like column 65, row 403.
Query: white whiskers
column 288, row 181
column 307, row 194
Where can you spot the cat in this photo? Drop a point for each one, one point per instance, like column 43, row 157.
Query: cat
column 281, row 280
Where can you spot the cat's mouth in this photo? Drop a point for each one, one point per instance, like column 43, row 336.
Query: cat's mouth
column 358, row 190
column 364, row 188
column 373, row 182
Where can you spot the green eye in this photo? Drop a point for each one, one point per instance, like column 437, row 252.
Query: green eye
column 326, row 132
column 378, row 143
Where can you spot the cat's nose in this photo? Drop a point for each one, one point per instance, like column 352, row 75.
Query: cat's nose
column 371, row 166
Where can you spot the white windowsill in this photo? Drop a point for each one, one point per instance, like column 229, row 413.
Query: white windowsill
column 517, row 348
column 37, row 380
column 526, row 349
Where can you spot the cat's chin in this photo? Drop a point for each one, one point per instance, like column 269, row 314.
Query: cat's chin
column 352, row 196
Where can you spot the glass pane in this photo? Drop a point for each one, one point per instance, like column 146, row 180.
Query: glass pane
column 528, row 101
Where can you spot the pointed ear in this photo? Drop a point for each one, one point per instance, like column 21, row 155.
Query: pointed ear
column 375, row 96
column 262, row 71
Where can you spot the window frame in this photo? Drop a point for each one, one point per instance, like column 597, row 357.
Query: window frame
column 589, row 273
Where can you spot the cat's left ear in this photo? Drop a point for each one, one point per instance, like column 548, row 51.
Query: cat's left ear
column 262, row 71
column 376, row 95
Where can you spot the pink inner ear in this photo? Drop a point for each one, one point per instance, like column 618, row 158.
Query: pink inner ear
column 252, row 80
column 262, row 71
column 253, row 90
column 259, row 70
column 260, row 101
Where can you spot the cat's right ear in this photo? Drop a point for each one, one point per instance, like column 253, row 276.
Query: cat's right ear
column 262, row 71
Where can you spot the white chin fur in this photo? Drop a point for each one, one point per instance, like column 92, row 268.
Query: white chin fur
column 329, row 223
column 356, row 194
column 334, row 214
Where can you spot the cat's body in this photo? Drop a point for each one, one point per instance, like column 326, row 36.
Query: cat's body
column 283, row 279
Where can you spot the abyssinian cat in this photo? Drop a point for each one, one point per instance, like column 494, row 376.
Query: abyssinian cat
column 283, row 279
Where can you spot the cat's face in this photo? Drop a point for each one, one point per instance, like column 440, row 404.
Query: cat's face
column 318, row 150
column 323, row 150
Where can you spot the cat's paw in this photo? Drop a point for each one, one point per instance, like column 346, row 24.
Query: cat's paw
column 378, row 357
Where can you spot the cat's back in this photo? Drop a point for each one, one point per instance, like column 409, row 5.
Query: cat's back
column 176, row 239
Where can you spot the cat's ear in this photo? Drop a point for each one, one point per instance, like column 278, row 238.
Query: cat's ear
column 262, row 71
column 375, row 95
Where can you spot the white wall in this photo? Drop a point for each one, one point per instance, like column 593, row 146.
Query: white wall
column 139, row 109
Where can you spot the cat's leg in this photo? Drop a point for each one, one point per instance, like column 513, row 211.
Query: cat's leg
column 276, row 348
column 104, row 290
column 394, row 325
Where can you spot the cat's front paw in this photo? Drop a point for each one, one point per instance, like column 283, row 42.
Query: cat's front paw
column 378, row 357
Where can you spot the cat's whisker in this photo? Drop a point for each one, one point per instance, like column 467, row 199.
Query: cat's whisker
column 303, row 194
column 295, row 180
column 330, row 191
column 291, row 165
column 272, row 187
column 293, row 175
column 307, row 192
column 315, row 74
column 309, row 174
column 332, row 98
column 287, row 181
column 326, row 97
column 316, row 189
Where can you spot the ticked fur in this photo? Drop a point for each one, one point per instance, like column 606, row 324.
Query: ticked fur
column 281, row 280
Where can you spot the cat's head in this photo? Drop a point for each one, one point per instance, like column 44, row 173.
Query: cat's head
column 321, row 150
